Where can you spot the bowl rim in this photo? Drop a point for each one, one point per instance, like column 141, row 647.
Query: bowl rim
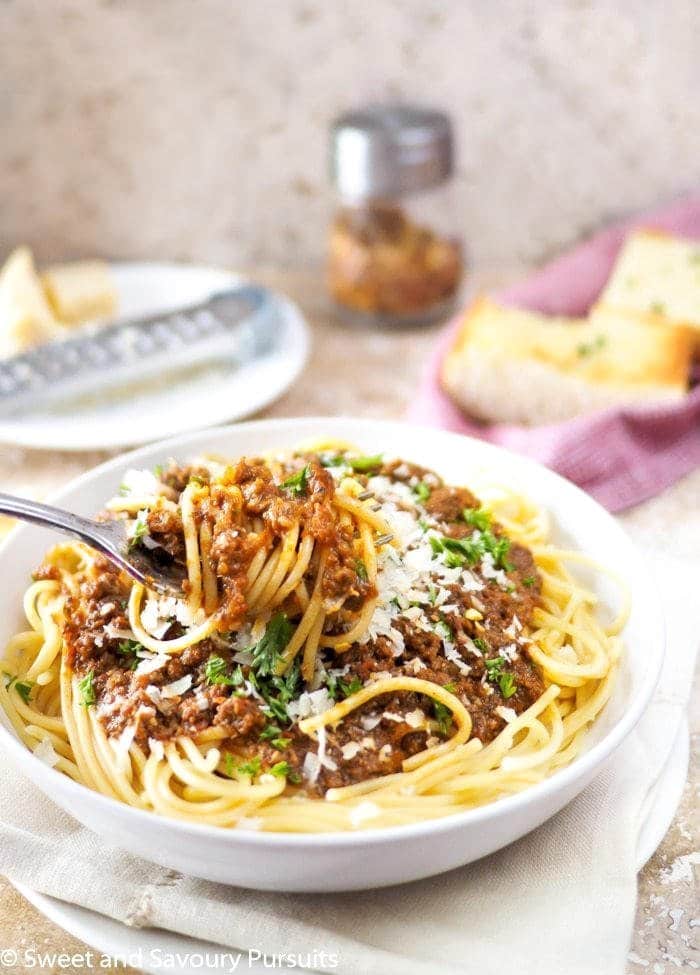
column 582, row 768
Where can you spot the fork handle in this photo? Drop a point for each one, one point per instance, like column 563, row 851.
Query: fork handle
column 50, row 517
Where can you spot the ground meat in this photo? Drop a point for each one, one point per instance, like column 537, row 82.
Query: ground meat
column 165, row 527
column 446, row 504
column 251, row 510
column 46, row 573
column 178, row 477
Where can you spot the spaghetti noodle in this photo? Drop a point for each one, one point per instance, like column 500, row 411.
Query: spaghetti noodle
column 357, row 645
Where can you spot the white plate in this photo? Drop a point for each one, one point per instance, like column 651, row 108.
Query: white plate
column 212, row 394
column 115, row 939
column 373, row 857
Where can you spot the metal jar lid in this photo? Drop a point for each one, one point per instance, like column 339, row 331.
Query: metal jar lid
column 387, row 150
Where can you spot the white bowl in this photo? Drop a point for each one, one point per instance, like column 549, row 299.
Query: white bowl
column 371, row 858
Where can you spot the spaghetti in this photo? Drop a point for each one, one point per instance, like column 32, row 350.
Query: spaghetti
column 357, row 645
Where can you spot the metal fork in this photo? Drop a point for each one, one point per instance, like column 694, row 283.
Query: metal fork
column 110, row 538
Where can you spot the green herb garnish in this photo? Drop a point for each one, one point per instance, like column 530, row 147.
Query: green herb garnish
column 529, row 581
column 421, row 491
column 23, row 687
column 216, row 672
column 443, row 629
column 481, row 644
column 86, row 687
column 443, row 716
column 496, row 673
column 140, row 529
column 281, row 770
column 277, row 691
column 297, row 483
column 268, row 650
column 130, row 649
column 251, row 767
column 478, row 518
column 587, row 348
column 361, row 570
column 362, row 465
column 332, row 460
column 273, row 734
column 338, row 688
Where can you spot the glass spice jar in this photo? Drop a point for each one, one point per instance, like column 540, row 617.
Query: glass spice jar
column 393, row 256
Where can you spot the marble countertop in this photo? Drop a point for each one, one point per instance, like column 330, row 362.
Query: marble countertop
column 365, row 381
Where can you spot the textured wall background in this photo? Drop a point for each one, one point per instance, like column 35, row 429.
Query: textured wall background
column 197, row 128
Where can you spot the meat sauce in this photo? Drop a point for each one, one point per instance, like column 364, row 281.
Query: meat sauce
column 451, row 641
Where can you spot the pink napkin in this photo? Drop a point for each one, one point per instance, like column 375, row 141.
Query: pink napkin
column 620, row 456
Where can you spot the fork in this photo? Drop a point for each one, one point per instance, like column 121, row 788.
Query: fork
column 110, row 538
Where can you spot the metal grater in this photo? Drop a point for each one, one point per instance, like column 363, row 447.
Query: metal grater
column 234, row 325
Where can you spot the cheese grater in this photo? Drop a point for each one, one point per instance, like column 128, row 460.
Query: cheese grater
column 236, row 324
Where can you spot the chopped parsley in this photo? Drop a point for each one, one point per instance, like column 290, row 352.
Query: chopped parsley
column 339, row 688
column 140, row 529
column 297, row 483
column 158, row 470
column 529, row 581
column 332, row 460
column 268, row 650
column 481, row 644
column 277, row 691
column 251, row 767
column 23, row 687
column 216, row 672
column 86, row 686
column 421, row 491
column 496, row 673
column 450, row 687
column 361, row 570
column 443, row 629
column 273, row 734
column 131, row 649
column 363, row 465
column 588, row 348
column 443, row 716
column 478, row 518
column 229, row 767
column 461, row 551
column 281, row 770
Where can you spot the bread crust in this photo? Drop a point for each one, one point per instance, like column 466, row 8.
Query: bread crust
column 517, row 366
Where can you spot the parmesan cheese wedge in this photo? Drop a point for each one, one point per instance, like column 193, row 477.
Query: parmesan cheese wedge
column 80, row 291
column 659, row 276
column 26, row 320
column 515, row 366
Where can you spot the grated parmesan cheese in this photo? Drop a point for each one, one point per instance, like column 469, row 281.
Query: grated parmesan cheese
column 508, row 714
column 178, row 687
column 350, row 750
column 46, row 753
column 310, row 703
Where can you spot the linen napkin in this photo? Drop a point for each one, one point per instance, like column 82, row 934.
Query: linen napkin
column 620, row 456
column 560, row 900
